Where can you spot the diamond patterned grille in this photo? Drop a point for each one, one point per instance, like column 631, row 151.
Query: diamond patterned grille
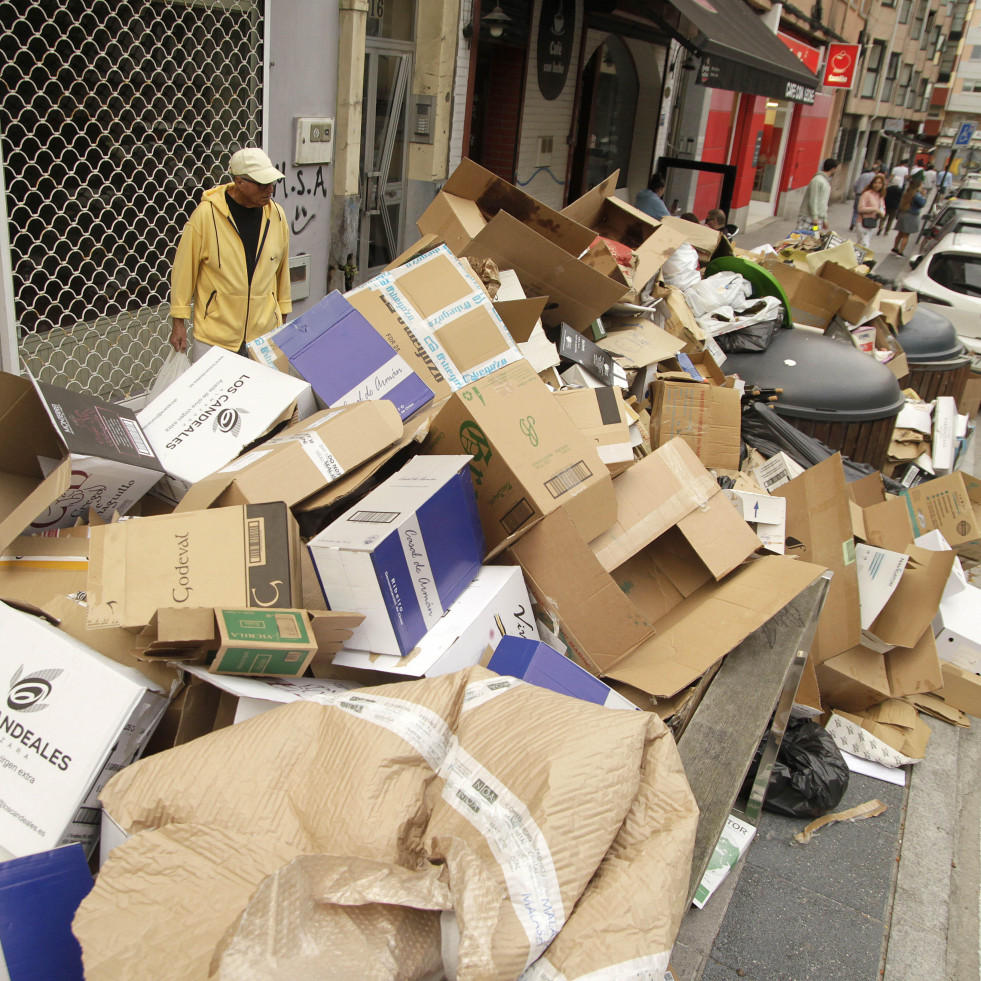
column 114, row 116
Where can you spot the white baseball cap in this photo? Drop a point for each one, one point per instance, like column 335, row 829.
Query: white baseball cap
column 252, row 162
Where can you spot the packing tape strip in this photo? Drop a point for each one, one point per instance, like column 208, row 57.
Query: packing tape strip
column 650, row 967
column 699, row 490
column 511, row 832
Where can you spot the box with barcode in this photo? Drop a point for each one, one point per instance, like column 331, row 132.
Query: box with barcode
column 276, row 643
column 301, row 460
column 112, row 463
column 235, row 556
column 403, row 554
column 529, row 457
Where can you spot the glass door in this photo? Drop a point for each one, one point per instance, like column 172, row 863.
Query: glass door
column 383, row 155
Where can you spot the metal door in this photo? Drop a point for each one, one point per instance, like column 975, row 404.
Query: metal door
column 383, row 155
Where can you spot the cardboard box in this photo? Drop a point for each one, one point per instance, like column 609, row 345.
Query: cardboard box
column 650, row 242
column 538, row 664
column 819, row 530
column 813, row 300
column 26, row 436
column 636, row 342
column 301, row 460
column 863, row 301
column 860, row 677
column 220, row 405
column 494, row 605
column 766, row 515
column 957, row 626
column 600, row 414
column 36, row 567
column 236, row 556
column 780, row 469
column 962, row 688
column 96, row 718
column 112, row 464
column 675, row 316
column 277, row 643
column 346, row 360
column 944, row 437
column 264, row 350
column 573, row 346
column 403, row 554
column 698, row 365
column 897, row 307
column 39, row 895
column 950, row 504
column 969, row 403
column 435, row 313
column 528, row 456
column 706, row 417
column 842, row 254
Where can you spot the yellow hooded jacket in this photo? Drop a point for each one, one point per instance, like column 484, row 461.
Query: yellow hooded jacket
column 209, row 269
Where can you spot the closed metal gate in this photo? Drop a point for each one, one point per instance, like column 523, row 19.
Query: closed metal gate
column 114, row 116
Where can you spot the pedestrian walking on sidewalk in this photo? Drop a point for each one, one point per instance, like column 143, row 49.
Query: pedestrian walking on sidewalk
column 892, row 197
column 871, row 208
column 862, row 182
column 910, row 207
column 814, row 207
column 232, row 262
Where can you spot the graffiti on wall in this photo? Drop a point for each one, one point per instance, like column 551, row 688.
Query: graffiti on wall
column 300, row 192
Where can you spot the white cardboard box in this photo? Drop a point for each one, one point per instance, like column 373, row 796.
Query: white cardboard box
column 494, row 604
column 216, row 408
column 766, row 515
column 957, row 627
column 71, row 718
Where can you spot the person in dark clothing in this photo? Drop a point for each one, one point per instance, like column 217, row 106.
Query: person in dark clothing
column 893, row 195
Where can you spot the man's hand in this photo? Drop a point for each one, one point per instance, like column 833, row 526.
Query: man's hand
column 178, row 336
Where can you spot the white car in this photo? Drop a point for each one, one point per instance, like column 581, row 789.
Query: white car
column 949, row 275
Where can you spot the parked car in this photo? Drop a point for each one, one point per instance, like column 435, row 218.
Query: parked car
column 949, row 275
column 950, row 211
column 969, row 188
column 969, row 224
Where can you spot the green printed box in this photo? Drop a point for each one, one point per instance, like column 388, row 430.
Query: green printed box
column 271, row 643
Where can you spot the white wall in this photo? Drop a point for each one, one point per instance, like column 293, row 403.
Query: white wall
column 303, row 82
column 460, row 92
column 547, row 118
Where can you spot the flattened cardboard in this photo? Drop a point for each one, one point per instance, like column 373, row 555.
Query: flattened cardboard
column 26, row 435
column 638, row 342
column 302, row 459
column 961, row 688
column 235, row 556
column 494, row 605
column 436, row 314
column 706, row 417
column 220, row 405
column 813, row 301
column 528, row 456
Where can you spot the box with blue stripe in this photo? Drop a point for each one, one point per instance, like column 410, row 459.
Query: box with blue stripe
column 403, row 554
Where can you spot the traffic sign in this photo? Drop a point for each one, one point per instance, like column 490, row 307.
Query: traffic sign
column 964, row 134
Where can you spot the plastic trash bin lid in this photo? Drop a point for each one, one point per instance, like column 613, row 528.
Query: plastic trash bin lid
column 929, row 336
column 821, row 378
column 763, row 281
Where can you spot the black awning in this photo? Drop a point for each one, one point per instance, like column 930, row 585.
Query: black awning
column 739, row 52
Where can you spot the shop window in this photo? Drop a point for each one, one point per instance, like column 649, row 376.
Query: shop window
column 607, row 116
column 391, row 19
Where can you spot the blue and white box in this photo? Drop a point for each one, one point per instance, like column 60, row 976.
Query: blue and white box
column 535, row 662
column 346, row 360
column 403, row 554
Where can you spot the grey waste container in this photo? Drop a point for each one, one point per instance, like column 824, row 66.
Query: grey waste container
column 830, row 391
column 938, row 362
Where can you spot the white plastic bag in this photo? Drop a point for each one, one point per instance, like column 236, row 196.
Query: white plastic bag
column 176, row 364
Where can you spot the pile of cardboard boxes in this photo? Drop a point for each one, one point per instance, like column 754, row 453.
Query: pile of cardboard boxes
column 301, row 586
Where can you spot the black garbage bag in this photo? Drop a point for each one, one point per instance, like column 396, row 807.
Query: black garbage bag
column 756, row 337
column 810, row 776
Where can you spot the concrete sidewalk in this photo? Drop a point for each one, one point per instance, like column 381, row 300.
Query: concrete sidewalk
column 893, row 897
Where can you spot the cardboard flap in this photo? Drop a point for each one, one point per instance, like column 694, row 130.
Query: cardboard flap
column 721, row 543
column 520, row 316
column 708, row 624
column 638, row 343
column 596, row 619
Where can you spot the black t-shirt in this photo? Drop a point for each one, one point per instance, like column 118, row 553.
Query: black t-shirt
column 248, row 221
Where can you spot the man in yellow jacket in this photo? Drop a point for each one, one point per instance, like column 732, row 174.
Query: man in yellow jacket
column 232, row 261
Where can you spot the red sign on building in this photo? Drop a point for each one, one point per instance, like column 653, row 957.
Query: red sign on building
column 810, row 57
column 841, row 68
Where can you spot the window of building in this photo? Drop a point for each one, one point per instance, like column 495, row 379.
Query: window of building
column 975, row 52
column 873, row 68
column 904, row 11
column 903, row 87
column 928, row 32
column 916, row 31
column 923, row 96
column 892, row 71
column 971, row 85
column 914, row 83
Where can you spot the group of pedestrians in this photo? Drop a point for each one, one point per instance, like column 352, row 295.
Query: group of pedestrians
column 901, row 199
